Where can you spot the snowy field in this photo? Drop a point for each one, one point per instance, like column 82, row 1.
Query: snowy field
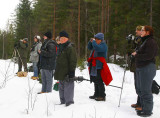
column 19, row 99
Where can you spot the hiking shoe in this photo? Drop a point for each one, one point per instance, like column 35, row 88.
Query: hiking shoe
column 138, row 108
column 68, row 104
column 100, row 98
column 41, row 92
column 34, row 78
column 134, row 105
column 143, row 114
column 92, row 97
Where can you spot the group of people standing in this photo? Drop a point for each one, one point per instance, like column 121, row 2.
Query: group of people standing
column 59, row 60
column 143, row 65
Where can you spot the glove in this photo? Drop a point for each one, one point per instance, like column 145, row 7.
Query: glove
column 71, row 74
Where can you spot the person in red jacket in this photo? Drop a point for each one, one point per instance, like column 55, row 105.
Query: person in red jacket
column 98, row 67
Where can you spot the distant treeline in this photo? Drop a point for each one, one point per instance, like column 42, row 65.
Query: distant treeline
column 81, row 19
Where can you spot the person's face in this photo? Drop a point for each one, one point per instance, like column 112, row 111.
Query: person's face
column 35, row 40
column 63, row 40
column 44, row 37
column 144, row 33
column 138, row 32
column 98, row 41
column 24, row 41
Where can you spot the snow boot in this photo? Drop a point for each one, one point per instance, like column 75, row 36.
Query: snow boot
column 100, row 98
column 143, row 114
column 93, row 97
column 34, row 78
column 134, row 105
column 22, row 74
column 41, row 92
column 138, row 108
column 68, row 104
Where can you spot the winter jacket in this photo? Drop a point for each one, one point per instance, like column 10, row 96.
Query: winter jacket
column 147, row 52
column 99, row 51
column 34, row 55
column 132, row 46
column 48, row 55
column 66, row 61
column 22, row 49
column 105, row 72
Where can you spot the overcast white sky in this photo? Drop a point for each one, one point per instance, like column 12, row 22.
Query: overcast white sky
column 7, row 7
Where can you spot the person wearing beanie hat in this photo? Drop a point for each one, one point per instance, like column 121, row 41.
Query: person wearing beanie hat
column 63, row 34
column 25, row 39
column 38, row 37
column 98, row 49
column 22, row 49
column 47, row 62
column 99, row 36
column 48, row 35
column 34, row 56
column 65, row 69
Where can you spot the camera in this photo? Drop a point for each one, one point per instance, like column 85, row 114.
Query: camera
column 130, row 37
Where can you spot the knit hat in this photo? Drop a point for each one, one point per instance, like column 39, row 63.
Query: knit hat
column 37, row 37
column 48, row 35
column 64, row 34
column 99, row 36
column 25, row 39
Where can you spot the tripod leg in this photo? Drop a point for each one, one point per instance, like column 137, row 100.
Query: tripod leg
column 123, row 82
column 122, row 89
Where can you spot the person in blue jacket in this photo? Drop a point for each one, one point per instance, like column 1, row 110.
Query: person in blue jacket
column 98, row 48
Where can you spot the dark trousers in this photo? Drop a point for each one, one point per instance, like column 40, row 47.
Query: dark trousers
column 144, row 79
column 22, row 61
column 66, row 91
column 138, row 98
column 99, row 89
column 47, row 80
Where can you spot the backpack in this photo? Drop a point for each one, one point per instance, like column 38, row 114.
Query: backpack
column 155, row 87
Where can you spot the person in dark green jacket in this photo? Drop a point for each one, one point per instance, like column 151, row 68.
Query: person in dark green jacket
column 65, row 69
column 22, row 50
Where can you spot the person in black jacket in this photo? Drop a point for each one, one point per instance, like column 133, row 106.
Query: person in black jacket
column 47, row 62
column 146, row 70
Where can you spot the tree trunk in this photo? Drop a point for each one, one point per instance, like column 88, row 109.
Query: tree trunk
column 54, row 20
column 30, row 38
column 86, row 34
column 102, row 16
column 107, row 26
column 3, row 48
column 79, row 16
column 115, row 46
column 151, row 3
column 99, row 17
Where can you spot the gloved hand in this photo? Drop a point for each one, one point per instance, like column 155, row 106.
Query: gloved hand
column 71, row 74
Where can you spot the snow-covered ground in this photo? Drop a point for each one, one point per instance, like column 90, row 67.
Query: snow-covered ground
column 16, row 102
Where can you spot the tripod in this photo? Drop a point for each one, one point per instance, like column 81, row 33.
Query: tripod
column 123, row 81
